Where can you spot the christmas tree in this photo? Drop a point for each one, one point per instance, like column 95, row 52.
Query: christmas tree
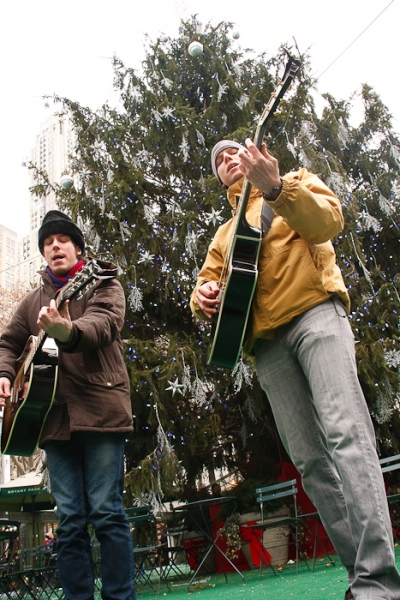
column 146, row 199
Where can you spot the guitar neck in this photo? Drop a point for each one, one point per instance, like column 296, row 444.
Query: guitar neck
column 291, row 69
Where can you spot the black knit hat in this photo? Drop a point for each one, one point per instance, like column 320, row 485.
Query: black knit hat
column 57, row 222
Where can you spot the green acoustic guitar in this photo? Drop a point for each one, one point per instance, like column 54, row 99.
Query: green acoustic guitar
column 25, row 415
column 239, row 275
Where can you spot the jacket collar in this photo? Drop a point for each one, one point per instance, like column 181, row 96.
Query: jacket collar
column 235, row 190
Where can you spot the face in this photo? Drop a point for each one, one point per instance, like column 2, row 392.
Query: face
column 228, row 166
column 60, row 253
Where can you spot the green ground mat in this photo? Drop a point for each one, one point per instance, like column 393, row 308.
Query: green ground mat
column 325, row 583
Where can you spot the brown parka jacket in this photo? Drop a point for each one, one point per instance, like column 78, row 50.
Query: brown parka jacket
column 92, row 391
column 297, row 265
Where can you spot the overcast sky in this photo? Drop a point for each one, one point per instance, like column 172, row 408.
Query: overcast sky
column 48, row 46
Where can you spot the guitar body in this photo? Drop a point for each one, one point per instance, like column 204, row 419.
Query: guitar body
column 236, row 299
column 24, row 419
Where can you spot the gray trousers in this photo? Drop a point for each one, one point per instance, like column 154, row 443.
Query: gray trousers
column 309, row 373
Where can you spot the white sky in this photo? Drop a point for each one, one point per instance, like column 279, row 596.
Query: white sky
column 50, row 47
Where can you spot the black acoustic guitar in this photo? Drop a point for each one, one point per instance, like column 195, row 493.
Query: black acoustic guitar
column 239, row 274
column 24, row 417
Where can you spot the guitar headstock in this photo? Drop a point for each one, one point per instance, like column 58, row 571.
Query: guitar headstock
column 292, row 66
column 83, row 280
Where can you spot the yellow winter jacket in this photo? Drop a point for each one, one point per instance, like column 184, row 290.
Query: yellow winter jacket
column 297, row 265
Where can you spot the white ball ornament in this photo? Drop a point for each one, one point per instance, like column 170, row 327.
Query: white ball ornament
column 236, row 35
column 195, row 49
column 163, row 38
column 66, row 182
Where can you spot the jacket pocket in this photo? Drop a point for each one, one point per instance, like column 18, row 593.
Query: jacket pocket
column 289, row 283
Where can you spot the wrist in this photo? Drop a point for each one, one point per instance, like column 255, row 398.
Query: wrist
column 273, row 193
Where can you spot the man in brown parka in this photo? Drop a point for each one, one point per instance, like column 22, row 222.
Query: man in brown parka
column 85, row 431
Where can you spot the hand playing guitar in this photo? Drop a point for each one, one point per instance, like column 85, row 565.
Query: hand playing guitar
column 5, row 389
column 57, row 325
column 208, row 298
column 259, row 167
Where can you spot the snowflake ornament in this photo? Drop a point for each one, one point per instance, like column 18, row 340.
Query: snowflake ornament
column 167, row 113
column 214, row 216
column 146, row 258
column 175, row 387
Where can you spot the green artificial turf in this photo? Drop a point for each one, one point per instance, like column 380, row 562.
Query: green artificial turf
column 325, row 583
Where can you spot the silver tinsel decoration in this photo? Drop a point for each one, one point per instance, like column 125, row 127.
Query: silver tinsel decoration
column 162, row 439
column 392, row 358
column 200, row 138
column 135, row 299
column 184, row 146
column 149, row 214
column 338, row 185
column 364, row 268
column 199, row 396
column 124, row 230
column 157, row 116
column 222, row 88
column 242, row 102
column 305, row 161
column 135, row 296
column 191, row 243
column 395, row 153
column 195, row 273
column 242, row 374
column 343, row 134
column 167, row 83
column 96, row 243
column 385, row 205
column 249, row 406
column 366, row 221
column 384, row 402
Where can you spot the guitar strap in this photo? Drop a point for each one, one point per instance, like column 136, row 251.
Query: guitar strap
column 267, row 214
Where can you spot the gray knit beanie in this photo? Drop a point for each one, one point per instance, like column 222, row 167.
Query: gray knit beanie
column 219, row 147
column 57, row 222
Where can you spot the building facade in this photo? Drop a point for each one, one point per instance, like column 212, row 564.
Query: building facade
column 51, row 153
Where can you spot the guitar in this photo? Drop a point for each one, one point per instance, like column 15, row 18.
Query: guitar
column 239, row 274
column 24, row 418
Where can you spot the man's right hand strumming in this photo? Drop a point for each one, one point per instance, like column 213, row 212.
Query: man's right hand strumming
column 208, row 298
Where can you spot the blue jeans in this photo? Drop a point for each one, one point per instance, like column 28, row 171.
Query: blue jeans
column 86, row 475
column 309, row 374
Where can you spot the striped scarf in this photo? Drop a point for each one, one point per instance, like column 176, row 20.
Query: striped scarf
column 58, row 282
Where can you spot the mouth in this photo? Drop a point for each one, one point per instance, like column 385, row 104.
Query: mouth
column 231, row 166
column 57, row 257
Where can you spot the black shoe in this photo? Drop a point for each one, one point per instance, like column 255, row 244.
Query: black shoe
column 348, row 595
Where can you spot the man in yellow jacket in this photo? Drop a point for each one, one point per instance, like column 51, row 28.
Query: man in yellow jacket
column 304, row 350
